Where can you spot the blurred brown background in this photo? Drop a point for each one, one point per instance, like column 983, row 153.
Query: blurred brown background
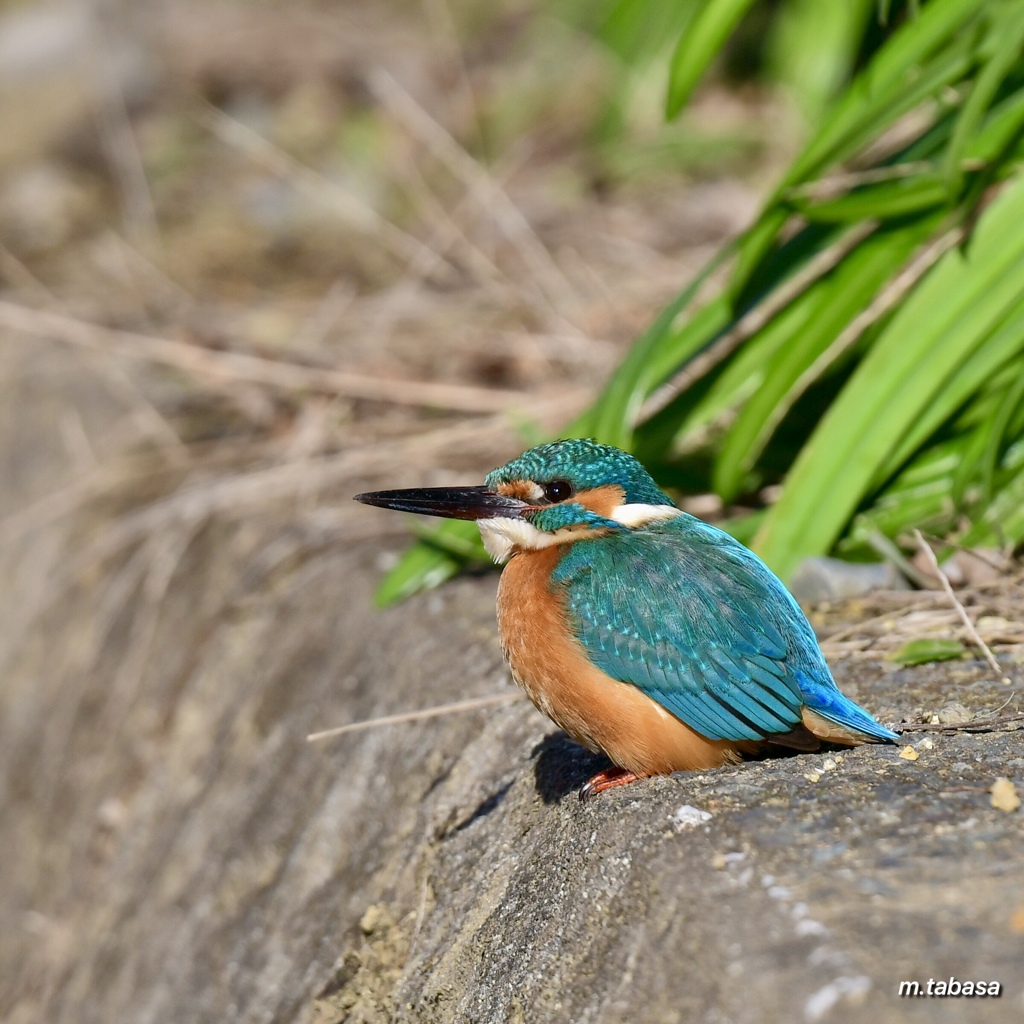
column 254, row 257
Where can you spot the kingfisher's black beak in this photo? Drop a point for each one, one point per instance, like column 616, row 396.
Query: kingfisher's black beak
column 449, row 502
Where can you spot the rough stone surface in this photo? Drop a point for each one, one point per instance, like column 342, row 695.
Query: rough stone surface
column 175, row 851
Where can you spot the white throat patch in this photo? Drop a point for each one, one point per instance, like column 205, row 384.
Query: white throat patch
column 502, row 536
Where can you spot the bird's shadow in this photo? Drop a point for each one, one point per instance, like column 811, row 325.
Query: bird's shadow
column 562, row 766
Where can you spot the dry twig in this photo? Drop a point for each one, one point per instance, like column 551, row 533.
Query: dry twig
column 960, row 610
column 417, row 716
column 983, row 723
column 348, row 207
column 237, row 366
column 484, row 187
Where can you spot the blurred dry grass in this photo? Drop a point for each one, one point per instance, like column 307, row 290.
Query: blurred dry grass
column 287, row 231
column 255, row 257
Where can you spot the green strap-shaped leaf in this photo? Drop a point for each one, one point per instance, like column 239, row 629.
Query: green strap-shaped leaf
column 658, row 353
column 930, row 52
column 745, row 373
column 938, row 327
column 927, row 649
column 1003, row 520
column 1010, row 41
column 901, row 75
column 996, row 432
column 1004, row 342
column 698, row 46
column 830, row 304
column 885, row 201
column 814, row 47
column 422, row 566
column 1001, row 129
column 922, row 496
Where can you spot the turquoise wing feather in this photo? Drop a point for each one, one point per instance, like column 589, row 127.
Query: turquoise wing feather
column 700, row 624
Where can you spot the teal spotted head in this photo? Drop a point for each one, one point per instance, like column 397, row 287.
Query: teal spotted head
column 554, row 494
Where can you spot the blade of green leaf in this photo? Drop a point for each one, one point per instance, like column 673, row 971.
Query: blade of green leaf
column 884, row 201
column 636, row 30
column 421, row 567
column 1003, row 520
column 920, row 496
column 1002, row 63
column 1003, row 125
column 935, row 330
column 697, row 48
column 829, row 305
column 653, row 357
column 897, row 79
column 466, row 544
column 746, row 370
column 860, row 118
column 813, row 47
column 894, row 82
column 995, row 433
column 927, row 649
column 1002, row 345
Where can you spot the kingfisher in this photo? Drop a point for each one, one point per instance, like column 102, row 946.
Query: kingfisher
column 643, row 632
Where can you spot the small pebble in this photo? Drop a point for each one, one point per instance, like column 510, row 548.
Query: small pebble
column 372, row 919
column 829, row 765
column 812, row 777
column 909, row 754
column 1004, row 795
column 926, row 744
column 689, row 817
column 808, row 926
column 954, row 714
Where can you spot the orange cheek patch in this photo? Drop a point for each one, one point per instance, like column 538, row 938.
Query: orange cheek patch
column 602, row 500
column 522, row 489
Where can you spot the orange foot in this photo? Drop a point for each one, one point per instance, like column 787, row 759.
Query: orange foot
column 608, row 779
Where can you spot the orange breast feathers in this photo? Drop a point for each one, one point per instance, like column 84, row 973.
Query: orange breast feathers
column 636, row 732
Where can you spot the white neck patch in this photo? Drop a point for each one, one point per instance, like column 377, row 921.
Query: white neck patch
column 640, row 514
column 502, row 536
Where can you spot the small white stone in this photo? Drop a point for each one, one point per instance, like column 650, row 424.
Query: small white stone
column 690, row 817
column 808, row 926
column 851, row 990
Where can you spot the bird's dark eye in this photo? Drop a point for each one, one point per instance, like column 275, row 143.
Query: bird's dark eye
column 558, row 490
